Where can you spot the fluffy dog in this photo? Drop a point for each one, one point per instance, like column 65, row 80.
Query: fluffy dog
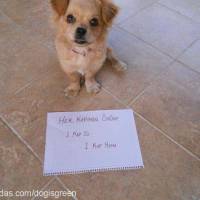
column 81, row 40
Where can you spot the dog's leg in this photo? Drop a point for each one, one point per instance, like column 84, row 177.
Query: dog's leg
column 91, row 84
column 115, row 62
column 74, row 86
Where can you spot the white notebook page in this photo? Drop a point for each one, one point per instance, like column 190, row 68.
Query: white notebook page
column 78, row 142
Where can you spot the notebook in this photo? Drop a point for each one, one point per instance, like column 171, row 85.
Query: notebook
column 92, row 141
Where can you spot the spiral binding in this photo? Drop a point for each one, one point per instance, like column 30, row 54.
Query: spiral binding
column 93, row 170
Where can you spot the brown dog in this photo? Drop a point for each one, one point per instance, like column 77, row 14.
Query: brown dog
column 81, row 40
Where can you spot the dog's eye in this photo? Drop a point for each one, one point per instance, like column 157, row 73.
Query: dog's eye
column 94, row 22
column 71, row 19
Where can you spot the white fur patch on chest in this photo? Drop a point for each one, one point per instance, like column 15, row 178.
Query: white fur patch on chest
column 82, row 59
column 81, row 71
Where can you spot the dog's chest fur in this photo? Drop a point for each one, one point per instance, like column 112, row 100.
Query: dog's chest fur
column 81, row 59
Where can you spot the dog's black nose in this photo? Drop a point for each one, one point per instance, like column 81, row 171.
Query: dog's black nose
column 80, row 32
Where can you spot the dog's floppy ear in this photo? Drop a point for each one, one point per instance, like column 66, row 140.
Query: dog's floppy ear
column 109, row 11
column 60, row 6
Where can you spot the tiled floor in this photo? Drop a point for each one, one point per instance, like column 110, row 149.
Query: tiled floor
column 160, row 42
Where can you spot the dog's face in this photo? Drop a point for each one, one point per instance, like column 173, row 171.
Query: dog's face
column 84, row 21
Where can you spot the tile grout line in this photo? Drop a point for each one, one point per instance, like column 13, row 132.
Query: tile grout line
column 21, row 139
column 8, row 18
column 168, row 137
column 182, row 53
column 64, row 186
column 45, row 186
column 145, row 88
column 177, row 12
column 136, row 13
column 25, row 29
column 151, row 82
column 147, row 43
column 29, row 84
column 155, row 127
column 26, row 144
column 39, row 78
column 60, row 181
column 139, row 95
column 188, row 47
column 116, row 98
column 175, row 59
column 187, row 66
column 162, row 72
column 158, row 3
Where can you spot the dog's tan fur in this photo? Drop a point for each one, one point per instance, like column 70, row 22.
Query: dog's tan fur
column 86, row 60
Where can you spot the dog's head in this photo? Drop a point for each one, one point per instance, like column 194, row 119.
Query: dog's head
column 84, row 21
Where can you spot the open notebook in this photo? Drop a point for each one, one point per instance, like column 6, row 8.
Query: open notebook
column 78, row 142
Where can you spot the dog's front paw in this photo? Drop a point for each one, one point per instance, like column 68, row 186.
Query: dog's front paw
column 71, row 92
column 93, row 88
column 120, row 66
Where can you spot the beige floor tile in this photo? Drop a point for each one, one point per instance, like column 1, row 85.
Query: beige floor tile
column 165, row 29
column 172, row 103
column 189, row 8
column 23, row 58
column 27, row 111
column 131, row 7
column 19, row 169
column 18, row 11
column 191, row 56
column 33, row 15
column 54, row 191
column 144, row 63
column 169, row 173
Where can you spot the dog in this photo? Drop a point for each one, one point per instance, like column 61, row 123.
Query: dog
column 81, row 40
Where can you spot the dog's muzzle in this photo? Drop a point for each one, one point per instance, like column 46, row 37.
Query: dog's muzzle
column 80, row 35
